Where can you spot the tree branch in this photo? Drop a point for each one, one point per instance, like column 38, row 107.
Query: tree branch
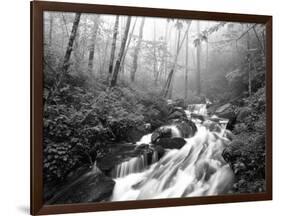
column 244, row 33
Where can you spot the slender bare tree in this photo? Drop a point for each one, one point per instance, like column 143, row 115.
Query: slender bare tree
column 249, row 64
column 93, row 43
column 186, row 65
column 121, row 53
column 70, row 43
column 50, row 29
column 113, row 47
column 67, row 56
column 198, row 52
column 127, row 46
column 167, row 85
column 136, row 52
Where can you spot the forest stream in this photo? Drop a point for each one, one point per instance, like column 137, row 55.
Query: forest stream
column 195, row 169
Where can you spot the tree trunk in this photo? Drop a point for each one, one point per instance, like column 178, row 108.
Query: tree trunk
column 198, row 87
column 104, row 58
column 67, row 55
column 70, row 43
column 83, row 40
column 186, row 71
column 154, row 54
column 263, row 40
column 249, row 65
column 113, row 47
column 163, row 66
column 76, row 51
column 50, row 29
column 259, row 40
column 92, row 48
column 171, row 83
column 166, row 87
column 207, row 53
column 137, row 50
column 127, row 47
column 65, row 24
column 121, row 53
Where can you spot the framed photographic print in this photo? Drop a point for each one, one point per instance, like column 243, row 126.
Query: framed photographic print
column 140, row 108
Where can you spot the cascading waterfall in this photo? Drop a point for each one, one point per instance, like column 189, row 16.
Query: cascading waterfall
column 154, row 157
column 197, row 169
column 200, row 109
column 134, row 165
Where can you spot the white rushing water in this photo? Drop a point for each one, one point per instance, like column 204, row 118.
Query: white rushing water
column 197, row 169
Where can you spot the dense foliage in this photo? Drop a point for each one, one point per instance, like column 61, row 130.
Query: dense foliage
column 77, row 123
column 246, row 154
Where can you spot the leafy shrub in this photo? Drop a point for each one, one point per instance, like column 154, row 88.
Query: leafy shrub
column 79, row 120
column 58, row 160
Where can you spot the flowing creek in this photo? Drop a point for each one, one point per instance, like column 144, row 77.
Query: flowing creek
column 197, row 169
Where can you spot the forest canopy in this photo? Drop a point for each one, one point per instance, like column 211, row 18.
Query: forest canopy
column 207, row 58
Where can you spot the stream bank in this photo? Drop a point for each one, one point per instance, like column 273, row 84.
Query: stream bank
column 240, row 154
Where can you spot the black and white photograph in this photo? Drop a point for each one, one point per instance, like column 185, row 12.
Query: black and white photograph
column 142, row 108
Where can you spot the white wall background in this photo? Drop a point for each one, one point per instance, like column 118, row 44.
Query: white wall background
column 14, row 108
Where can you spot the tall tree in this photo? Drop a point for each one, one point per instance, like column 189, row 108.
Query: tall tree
column 76, row 50
column 198, row 49
column 70, row 43
column 167, row 85
column 171, row 83
column 113, row 46
column 93, row 42
column 155, row 72
column 67, row 56
column 186, row 65
column 104, row 57
column 121, row 53
column 127, row 46
column 259, row 40
column 207, row 53
column 50, row 29
column 249, row 64
column 65, row 24
column 136, row 52
column 163, row 66
column 84, row 39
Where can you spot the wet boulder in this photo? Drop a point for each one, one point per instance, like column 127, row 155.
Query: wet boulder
column 186, row 127
column 162, row 132
column 142, row 147
column 171, row 143
column 115, row 153
column 198, row 116
column 179, row 103
column 134, row 134
column 90, row 187
column 227, row 111
column 243, row 113
column 212, row 126
column 160, row 150
column 223, row 108
column 177, row 114
column 178, row 128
